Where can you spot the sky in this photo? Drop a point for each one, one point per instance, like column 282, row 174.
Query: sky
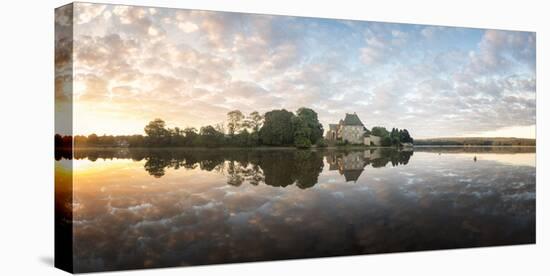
column 188, row 67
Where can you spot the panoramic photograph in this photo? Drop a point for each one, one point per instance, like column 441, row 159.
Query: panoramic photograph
column 191, row 137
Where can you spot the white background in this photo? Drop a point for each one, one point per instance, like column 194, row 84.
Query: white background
column 26, row 137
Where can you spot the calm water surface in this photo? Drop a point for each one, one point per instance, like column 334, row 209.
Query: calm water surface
column 157, row 208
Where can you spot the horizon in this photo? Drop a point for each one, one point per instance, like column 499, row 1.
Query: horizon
column 389, row 128
column 188, row 67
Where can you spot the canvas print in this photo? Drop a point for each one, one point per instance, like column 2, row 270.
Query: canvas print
column 190, row 137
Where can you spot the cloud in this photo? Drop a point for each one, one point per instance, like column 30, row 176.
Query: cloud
column 87, row 12
column 90, row 87
column 503, row 50
column 371, row 55
column 191, row 67
column 188, row 27
column 376, row 49
column 136, row 21
column 129, row 14
column 383, row 44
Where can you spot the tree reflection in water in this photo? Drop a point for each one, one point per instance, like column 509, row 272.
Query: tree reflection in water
column 274, row 167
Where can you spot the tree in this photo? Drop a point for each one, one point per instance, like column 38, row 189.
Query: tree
column 176, row 137
column 309, row 123
column 300, row 129
column 191, row 136
column 80, row 141
column 405, row 136
column 177, row 131
column 321, row 143
column 210, row 137
column 234, row 122
column 220, row 128
column 254, row 139
column 254, row 121
column 136, row 140
column 394, row 132
column 386, row 141
column 395, row 136
column 379, row 131
column 302, row 142
column 63, row 141
column 107, row 141
column 93, row 140
column 157, row 133
column 242, row 139
column 277, row 129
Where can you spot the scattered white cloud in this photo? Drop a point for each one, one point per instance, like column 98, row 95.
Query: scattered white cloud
column 191, row 67
column 188, row 27
column 86, row 12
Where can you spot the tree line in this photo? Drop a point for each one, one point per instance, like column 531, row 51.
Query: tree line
column 280, row 127
column 274, row 128
column 395, row 137
column 477, row 141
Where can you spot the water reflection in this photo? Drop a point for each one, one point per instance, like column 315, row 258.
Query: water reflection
column 352, row 164
column 279, row 167
column 139, row 208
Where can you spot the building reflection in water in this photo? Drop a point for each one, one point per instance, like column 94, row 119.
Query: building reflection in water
column 352, row 164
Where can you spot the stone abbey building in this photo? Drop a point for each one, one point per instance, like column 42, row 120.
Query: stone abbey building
column 352, row 130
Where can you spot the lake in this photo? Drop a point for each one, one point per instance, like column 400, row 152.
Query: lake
column 174, row 207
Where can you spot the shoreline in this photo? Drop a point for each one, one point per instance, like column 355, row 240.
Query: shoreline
column 476, row 146
column 294, row 148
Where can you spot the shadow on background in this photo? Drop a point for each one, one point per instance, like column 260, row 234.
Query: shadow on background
column 47, row 260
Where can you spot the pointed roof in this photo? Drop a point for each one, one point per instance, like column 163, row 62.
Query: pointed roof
column 352, row 175
column 352, row 120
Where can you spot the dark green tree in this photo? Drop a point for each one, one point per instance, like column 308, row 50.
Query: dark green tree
column 242, row 139
column 386, row 141
column 379, row 131
column 405, row 136
column 309, row 125
column 302, row 142
column 176, row 137
column 210, row 137
column 277, row 129
column 395, row 137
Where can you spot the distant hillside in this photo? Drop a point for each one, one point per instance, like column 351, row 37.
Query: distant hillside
column 475, row 141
